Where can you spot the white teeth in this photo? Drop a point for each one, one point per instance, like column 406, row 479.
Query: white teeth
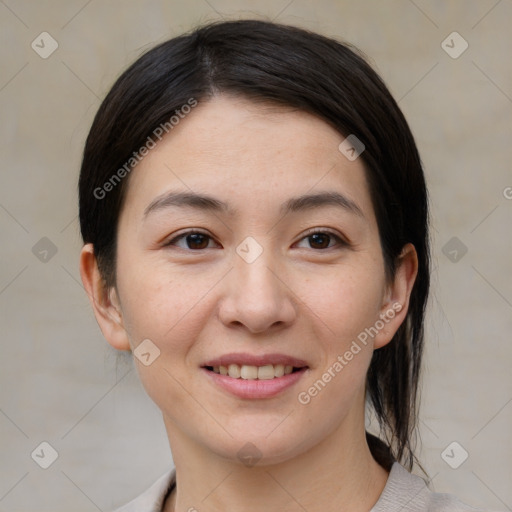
column 279, row 370
column 234, row 371
column 250, row 372
column 266, row 372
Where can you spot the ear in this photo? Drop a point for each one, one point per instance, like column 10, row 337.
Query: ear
column 396, row 300
column 105, row 302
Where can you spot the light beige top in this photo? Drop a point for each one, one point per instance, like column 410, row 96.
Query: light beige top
column 404, row 492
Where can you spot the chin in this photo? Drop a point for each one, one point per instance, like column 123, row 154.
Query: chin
column 262, row 449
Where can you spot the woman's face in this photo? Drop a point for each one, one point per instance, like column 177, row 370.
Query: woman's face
column 238, row 278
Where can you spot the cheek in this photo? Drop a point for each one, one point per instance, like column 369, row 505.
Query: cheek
column 345, row 301
column 161, row 304
column 171, row 310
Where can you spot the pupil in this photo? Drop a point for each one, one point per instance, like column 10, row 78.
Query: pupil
column 317, row 239
column 194, row 241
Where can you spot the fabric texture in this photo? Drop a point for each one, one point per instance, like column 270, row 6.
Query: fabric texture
column 404, row 492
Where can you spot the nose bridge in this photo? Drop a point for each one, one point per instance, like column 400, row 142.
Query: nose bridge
column 254, row 279
column 256, row 297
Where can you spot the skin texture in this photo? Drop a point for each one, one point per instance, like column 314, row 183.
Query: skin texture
column 306, row 298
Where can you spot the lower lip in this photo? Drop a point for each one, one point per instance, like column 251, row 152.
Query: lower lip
column 254, row 389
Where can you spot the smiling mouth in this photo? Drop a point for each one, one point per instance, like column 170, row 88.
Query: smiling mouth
column 249, row 372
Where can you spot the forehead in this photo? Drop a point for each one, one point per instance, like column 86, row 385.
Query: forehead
column 250, row 155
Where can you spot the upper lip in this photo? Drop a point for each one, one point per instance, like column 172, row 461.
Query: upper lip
column 255, row 360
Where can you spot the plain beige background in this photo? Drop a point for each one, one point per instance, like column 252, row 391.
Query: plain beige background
column 60, row 383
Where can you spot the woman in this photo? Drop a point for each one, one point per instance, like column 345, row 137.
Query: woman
column 255, row 221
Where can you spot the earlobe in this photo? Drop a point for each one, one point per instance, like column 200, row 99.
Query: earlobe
column 105, row 303
column 396, row 303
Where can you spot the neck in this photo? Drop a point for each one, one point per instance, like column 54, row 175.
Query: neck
column 339, row 474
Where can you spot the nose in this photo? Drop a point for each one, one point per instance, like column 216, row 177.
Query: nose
column 257, row 296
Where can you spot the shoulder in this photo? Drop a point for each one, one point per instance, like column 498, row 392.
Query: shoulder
column 152, row 499
column 406, row 492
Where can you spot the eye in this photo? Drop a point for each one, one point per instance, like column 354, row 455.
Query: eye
column 321, row 239
column 192, row 240
column 197, row 240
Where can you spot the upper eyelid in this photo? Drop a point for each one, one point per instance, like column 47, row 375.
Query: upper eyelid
column 313, row 231
column 168, row 241
column 343, row 240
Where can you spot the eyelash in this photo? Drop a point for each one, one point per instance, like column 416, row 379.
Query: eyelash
column 341, row 241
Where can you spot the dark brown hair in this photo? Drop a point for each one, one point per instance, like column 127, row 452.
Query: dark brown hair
column 283, row 65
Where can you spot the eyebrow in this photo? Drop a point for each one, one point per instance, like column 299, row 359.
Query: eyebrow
column 208, row 203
